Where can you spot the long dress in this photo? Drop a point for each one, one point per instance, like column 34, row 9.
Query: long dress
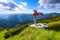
column 36, row 14
column 35, row 20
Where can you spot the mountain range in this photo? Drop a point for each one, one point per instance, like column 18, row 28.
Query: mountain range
column 10, row 20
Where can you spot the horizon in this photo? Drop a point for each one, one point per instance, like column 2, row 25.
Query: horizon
column 25, row 13
column 27, row 7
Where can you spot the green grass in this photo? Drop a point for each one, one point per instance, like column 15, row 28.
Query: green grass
column 31, row 33
column 36, row 34
column 2, row 34
column 39, row 33
column 54, row 26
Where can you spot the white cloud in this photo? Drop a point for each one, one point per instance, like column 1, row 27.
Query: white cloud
column 57, row 5
column 1, row 6
column 23, row 3
column 22, row 7
column 48, row 4
column 3, row 0
column 7, row 8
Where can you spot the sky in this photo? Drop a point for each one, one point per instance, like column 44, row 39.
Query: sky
column 27, row 6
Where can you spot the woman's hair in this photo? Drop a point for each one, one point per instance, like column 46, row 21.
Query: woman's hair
column 35, row 10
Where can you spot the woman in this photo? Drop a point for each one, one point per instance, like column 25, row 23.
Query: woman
column 36, row 14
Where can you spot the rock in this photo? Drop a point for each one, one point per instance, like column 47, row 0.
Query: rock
column 39, row 25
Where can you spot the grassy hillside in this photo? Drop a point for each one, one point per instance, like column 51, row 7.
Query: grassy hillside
column 51, row 33
column 24, row 32
column 39, row 34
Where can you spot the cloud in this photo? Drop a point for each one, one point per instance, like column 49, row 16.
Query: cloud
column 23, row 3
column 48, row 4
column 4, row 1
column 9, row 6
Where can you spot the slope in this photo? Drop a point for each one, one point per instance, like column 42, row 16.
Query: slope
column 39, row 34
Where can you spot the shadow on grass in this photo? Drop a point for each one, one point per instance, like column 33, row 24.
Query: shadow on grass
column 55, row 28
column 7, row 35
